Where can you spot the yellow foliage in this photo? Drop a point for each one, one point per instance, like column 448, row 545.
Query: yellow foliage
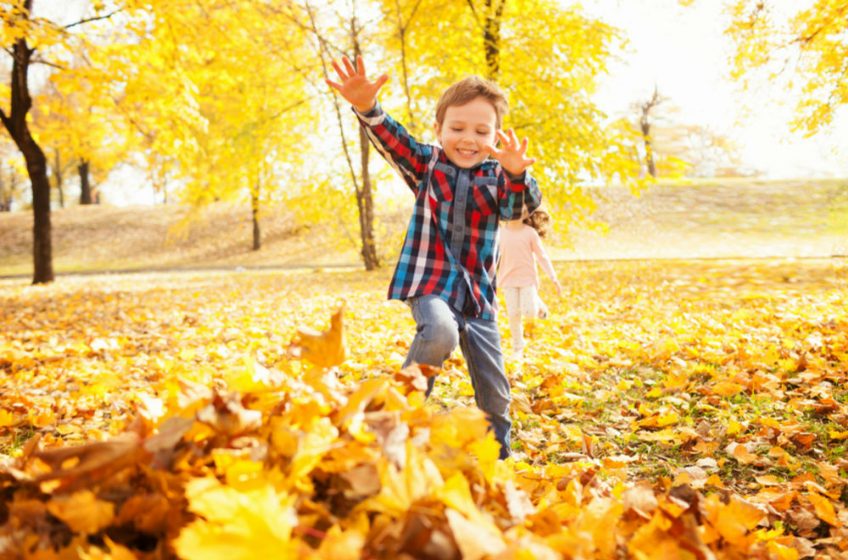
column 237, row 524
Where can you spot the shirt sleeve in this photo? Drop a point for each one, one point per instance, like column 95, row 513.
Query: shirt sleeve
column 396, row 145
column 542, row 257
column 517, row 191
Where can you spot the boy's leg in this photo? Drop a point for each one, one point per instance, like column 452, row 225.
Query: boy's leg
column 481, row 346
column 437, row 333
column 513, row 315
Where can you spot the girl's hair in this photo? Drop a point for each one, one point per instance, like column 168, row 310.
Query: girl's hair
column 540, row 221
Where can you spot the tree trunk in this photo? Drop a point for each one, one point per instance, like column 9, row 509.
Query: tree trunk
column 85, row 183
column 254, row 208
column 365, row 201
column 5, row 196
column 492, row 37
column 36, row 163
column 649, row 148
column 57, row 172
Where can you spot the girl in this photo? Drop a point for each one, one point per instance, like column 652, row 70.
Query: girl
column 520, row 248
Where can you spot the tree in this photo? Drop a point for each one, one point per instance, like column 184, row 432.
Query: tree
column 551, row 105
column 24, row 36
column 647, row 110
column 346, row 33
column 18, row 30
column 805, row 44
column 214, row 98
column 75, row 118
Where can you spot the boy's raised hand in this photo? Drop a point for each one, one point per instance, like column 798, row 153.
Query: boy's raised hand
column 355, row 87
column 511, row 155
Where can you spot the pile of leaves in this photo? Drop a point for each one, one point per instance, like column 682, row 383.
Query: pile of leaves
column 651, row 440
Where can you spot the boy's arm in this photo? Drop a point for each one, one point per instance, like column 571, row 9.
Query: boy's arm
column 396, row 145
column 518, row 191
column 518, row 187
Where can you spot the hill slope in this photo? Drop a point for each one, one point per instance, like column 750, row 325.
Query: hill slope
column 731, row 218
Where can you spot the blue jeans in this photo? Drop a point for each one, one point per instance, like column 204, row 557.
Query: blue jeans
column 439, row 328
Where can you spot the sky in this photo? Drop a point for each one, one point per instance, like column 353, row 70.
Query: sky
column 684, row 53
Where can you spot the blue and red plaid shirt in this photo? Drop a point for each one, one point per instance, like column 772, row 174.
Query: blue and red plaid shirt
column 450, row 248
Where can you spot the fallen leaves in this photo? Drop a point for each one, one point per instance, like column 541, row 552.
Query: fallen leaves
column 203, row 418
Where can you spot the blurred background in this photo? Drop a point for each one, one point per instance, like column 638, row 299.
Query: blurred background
column 200, row 133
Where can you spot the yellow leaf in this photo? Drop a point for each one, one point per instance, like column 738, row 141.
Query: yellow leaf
column 342, row 545
column 476, row 540
column 402, row 486
column 7, row 419
column 455, row 493
column 237, row 524
column 737, row 518
column 781, row 552
column 311, row 447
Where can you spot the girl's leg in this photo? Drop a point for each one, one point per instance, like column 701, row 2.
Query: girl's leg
column 436, row 333
column 513, row 315
column 529, row 310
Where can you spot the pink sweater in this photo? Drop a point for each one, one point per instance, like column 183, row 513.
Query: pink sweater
column 520, row 248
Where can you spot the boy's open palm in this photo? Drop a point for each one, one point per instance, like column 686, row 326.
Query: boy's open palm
column 354, row 86
column 512, row 155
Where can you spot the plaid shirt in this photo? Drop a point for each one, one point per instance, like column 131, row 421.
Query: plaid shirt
column 450, row 248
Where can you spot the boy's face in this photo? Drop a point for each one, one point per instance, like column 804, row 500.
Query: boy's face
column 467, row 132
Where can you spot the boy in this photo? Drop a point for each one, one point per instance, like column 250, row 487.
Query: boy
column 446, row 270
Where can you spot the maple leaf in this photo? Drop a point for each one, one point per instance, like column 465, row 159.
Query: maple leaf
column 255, row 522
column 323, row 349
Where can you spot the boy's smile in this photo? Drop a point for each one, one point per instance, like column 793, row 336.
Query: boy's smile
column 467, row 132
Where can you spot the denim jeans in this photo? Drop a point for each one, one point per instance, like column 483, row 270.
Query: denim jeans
column 439, row 328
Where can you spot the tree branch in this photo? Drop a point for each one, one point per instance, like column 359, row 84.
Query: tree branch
column 6, row 121
column 93, row 18
column 48, row 63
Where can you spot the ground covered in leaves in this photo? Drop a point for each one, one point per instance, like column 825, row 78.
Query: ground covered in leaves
column 665, row 409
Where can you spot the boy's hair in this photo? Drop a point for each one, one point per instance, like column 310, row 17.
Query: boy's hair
column 468, row 89
column 540, row 221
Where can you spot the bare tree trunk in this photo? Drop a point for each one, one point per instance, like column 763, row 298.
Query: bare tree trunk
column 57, row 172
column 365, row 202
column 364, row 197
column 254, row 209
column 36, row 163
column 645, row 126
column 85, row 183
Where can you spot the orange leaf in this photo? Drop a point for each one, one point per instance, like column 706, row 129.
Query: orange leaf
column 324, row 349
column 82, row 511
column 824, row 509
